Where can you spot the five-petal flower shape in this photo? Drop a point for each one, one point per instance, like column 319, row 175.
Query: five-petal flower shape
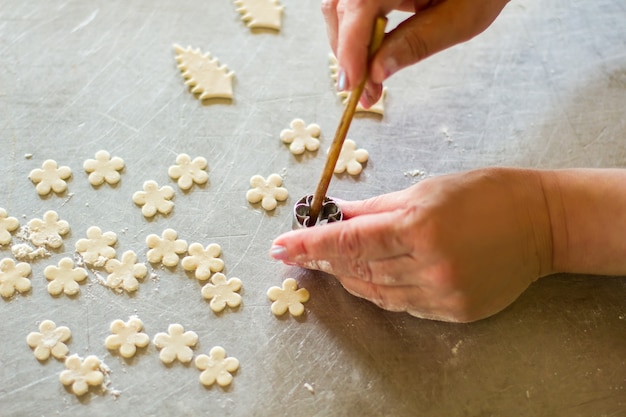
column 49, row 231
column 188, row 172
column 165, row 249
column 301, row 137
column 154, row 199
column 13, row 277
column 289, row 297
column 50, row 177
column 64, row 278
column 7, row 225
column 127, row 337
column 49, row 340
column 216, row 367
column 103, row 168
column 123, row 274
column 222, row 292
column 97, row 249
column 204, row 261
column 175, row 344
column 81, row 374
column 268, row 192
column 351, row 158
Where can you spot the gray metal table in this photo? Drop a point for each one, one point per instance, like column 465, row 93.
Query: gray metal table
column 545, row 86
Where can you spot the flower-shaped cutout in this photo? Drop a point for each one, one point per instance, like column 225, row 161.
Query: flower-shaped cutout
column 165, row 249
column 7, row 225
column 13, row 277
column 301, row 137
column 188, row 172
column 268, row 192
column 204, row 261
column 216, row 367
column 97, row 249
column 289, row 297
column 351, row 158
column 49, row 230
column 222, row 292
column 49, row 340
column 103, row 169
column 260, row 13
column 204, row 74
column 123, row 274
column 50, row 177
column 175, row 344
column 81, row 374
column 64, row 278
column 154, row 199
column 127, row 337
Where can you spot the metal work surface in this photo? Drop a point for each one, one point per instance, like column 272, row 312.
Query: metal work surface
column 544, row 87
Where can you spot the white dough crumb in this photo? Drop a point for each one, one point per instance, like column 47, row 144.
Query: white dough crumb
column 309, row 387
column 28, row 155
column 24, row 252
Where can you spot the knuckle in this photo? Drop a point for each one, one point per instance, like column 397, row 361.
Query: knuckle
column 329, row 7
column 417, row 47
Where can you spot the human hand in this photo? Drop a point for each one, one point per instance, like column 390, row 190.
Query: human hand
column 434, row 26
column 459, row 247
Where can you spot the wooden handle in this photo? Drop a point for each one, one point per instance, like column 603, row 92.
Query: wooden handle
column 344, row 124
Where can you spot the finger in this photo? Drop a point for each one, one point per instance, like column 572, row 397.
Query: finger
column 379, row 204
column 329, row 11
column 371, row 94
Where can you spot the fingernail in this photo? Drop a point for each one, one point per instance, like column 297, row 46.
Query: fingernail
column 278, row 252
column 390, row 66
column 342, row 81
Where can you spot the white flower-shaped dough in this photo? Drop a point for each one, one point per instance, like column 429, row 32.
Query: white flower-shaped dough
column 127, row 337
column 204, row 261
column 188, row 172
column 154, row 199
column 64, row 278
column 7, row 225
column 216, row 367
column 50, row 177
column 268, row 192
column 49, row 340
column 123, row 275
column 165, row 249
column 13, row 277
column 175, row 344
column 222, row 292
column 289, row 297
column 103, row 168
column 97, row 249
column 351, row 158
column 301, row 137
column 82, row 374
column 49, row 231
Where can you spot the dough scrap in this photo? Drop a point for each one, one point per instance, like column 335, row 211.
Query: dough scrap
column 103, row 168
column 301, row 137
column 50, row 177
column 175, row 344
column 7, row 225
column 81, row 374
column 268, row 192
column 97, row 249
column 25, row 252
column 378, row 107
column 188, row 172
column 165, row 249
column 260, row 13
column 154, row 199
column 222, row 292
column 49, row 231
column 123, row 275
column 204, row 261
column 351, row 158
column 216, row 367
column 49, row 340
column 64, row 278
column 289, row 297
column 127, row 337
column 14, row 277
column 204, row 74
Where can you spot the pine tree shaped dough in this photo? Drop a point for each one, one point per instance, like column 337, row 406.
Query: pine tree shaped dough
column 260, row 13
column 204, row 74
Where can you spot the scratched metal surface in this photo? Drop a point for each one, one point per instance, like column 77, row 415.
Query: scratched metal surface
column 545, row 86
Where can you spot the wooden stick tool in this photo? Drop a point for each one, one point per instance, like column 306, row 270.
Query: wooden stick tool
column 344, row 124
